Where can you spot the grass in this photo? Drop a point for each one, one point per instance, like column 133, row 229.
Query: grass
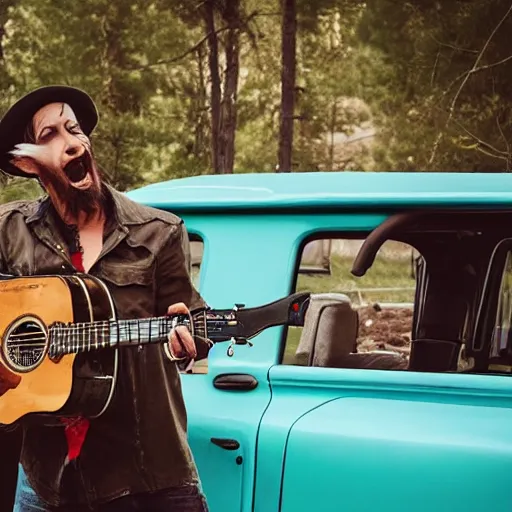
column 292, row 342
column 385, row 273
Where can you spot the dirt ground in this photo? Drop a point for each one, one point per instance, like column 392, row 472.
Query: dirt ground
column 390, row 330
column 385, row 329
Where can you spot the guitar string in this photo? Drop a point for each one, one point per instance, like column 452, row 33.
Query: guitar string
column 91, row 330
column 59, row 343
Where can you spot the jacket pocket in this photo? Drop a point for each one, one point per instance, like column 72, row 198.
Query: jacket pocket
column 132, row 287
column 122, row 274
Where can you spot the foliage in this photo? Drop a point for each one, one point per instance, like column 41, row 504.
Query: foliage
column 430, row 78
column 108, row 48
column 451, row 65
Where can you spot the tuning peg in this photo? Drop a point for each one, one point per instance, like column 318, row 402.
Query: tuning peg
column 237, row 341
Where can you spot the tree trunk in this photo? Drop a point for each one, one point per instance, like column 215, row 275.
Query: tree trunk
column 228, row 110
column 201, row 120
column 2, row 35
column 213, row 61
column 332, row 131
column 119, row 98
column 288, row 67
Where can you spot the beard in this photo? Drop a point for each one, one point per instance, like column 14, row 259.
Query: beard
column 74, row 203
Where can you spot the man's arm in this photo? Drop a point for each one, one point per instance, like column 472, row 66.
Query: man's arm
column 172, row 274
column 173, row 281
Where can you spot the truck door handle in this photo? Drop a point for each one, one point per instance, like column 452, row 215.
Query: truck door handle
column 227, row 444
column 235, row 382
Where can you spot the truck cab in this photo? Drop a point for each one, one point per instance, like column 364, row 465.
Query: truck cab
column 396, row 394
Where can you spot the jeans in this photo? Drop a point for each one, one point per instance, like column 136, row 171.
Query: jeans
column 185, row 499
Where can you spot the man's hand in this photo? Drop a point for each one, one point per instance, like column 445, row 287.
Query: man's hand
column 181, row 343
column 8, row 380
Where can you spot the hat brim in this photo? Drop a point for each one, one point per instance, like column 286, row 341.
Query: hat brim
column 14, row 123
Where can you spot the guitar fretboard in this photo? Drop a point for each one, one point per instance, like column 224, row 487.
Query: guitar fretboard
column 84, row 337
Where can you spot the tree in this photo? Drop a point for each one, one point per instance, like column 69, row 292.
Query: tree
column 117, row 52
column 228, row 113
column 213, row 61
column 450, row 68
column 288, row 70
column 187, row 88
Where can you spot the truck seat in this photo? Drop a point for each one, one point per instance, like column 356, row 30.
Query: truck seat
column 330, row 330
column 329, row 337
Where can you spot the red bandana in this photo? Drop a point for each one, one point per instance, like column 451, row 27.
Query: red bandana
column 76, row 428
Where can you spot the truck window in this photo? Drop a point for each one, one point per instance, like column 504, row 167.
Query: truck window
column 196, row 257
column 382, row 300
column 501, row 332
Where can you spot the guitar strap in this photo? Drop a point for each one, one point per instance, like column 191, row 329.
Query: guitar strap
column 75, row 428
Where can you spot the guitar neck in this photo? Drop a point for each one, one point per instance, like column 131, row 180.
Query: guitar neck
column 84, row 337
column 210, row 325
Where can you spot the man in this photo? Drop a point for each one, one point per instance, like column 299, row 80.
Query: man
column 135, row 456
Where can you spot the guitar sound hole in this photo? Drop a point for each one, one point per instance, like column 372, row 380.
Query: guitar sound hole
column 25, row 344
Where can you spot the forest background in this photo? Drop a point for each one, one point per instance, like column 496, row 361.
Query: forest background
column 221, row 86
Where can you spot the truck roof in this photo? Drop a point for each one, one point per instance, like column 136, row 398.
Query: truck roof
column 329, row 190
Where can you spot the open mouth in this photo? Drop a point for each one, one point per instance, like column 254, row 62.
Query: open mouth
column 77, row 169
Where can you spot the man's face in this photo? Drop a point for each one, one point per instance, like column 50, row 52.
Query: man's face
column 59, row 153
column 65, row 149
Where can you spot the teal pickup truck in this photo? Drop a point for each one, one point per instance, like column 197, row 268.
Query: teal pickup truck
column 415, row 415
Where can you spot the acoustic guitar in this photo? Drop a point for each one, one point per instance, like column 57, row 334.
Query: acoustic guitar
column 60, row 339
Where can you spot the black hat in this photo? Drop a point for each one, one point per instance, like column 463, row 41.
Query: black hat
column 14, row 123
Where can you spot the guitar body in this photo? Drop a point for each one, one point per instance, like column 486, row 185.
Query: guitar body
column 31, row 383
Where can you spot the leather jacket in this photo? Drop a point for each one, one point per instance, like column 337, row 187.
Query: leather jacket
column 140, row 443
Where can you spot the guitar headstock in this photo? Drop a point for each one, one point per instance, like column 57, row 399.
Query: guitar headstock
column 240, row 324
